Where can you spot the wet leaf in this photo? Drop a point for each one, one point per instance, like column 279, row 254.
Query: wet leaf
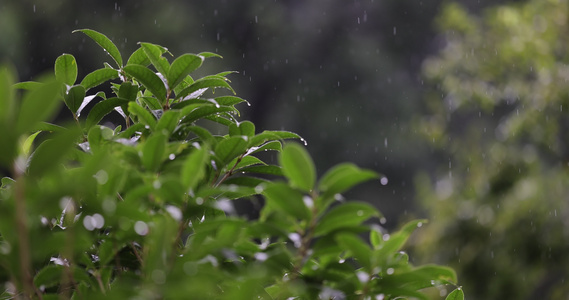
column 343, row 177
column 74, row 98
column 181, row 67
column 457, row 294
column 245, row 128
column 151, row 81
column 345, row 215
column 357, row 247
column 154, row 53
column 229, row 148
column 102, row 109
column 105, row 43
column 205, row 83
column 97, row 77
column 298, row 167
column 144, row 116
column 193, row 169
column 66, row 69
column 168, row 121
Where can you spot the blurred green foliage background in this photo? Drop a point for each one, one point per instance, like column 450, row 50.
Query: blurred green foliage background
column 461, row 104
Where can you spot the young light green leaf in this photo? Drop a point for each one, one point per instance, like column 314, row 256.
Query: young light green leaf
column 283, row 198
column 38, row 105
column 138, row 57
column 151, row 81
column 74, row 98
column 154, row 53
column 229, row 148
column 345, row 215
column 154, row 151
column 181, row 67
column 193, row 169
column 143, row 115
column 97, row 77
column 26, row 147
column 298, row 167
column 101, row 109
column 105, row 43
column 358, row 248
column 66, row 69
column 342, row 177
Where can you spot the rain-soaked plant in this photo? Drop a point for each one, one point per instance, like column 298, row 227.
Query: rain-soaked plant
column 145, row 210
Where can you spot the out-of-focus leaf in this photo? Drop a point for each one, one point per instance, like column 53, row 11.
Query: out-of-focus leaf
column 343, row 177
column 285, row 199
column 229, row 148
column 298, row 167
column 359, row 249
column 105, row 43
column 345, row 215
column 193, row 169
column 26, row 85
column 7, row 103
column 66, row 69
column 49, row 276
column 51, row 152
column 101, row 109
column 26, row 147
column 97, row 77
column 397, row 240
column 181, row 67
column 143, row 115
column 168, row 121
column 151, row 81
column 74, row 98
column 154, row 151
column 38, row 105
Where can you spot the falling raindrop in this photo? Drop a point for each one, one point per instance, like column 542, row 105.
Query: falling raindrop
column 383, row 180
column 394, row 30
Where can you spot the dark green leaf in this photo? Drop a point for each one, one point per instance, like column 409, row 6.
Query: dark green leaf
column 74, row 98
column 457, row 294
column 101, row 109
column 269, row 135
column 144, row 116
column 229, row 100
column 269, row 170
column 358, row 248
column 298, row 167
column 246, row 161
column 342, row 177
column 203, row 111
column 205, row 83
column 7, row 103
column 155, row 55
column 49, row 276
column 229, row 148
column 245, row 181
column 345, row 215
column 285, row 199
column 128, row 90
column 193, row 169
column 66, row 69
column 203, row 134
column 154, row 151
column 38, row 105
column 99, row 76
column 151, row 81
column 181, row 67
column 105, row 43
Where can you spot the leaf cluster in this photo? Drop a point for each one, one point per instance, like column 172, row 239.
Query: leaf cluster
column 146, row 209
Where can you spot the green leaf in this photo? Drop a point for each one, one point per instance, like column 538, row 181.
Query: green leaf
column 282, row 197
column 244, row 128
column 99, row 76
column 38, row 105
column 151, row 81
column 49, row 276
column 66, row 69
column 154, row 151
column 74, row 98
column 202, row 83
column 345, row 215
column 298, row 167
column 144, row 116
column 7, row 103
column 193, row 169
column 209, row 54
column 269, row 135
column 105, row 43
column 128, row 90
column 269, row 170
column 229, row 148
column 358, row 248
column 270, row 146
column 205, row 136
column 26, row 147
column 168, row 121
column 101, row 109
column 229, row 100
column 138, row 57
column 181, row 67
column 245, row 181
column 201, row 112
column 51, row 152
column 343, row 177
column 457, row 294
column 155, row 55
column 397, row 240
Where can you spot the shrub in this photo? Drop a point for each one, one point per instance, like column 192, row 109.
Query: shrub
column 145, row 210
